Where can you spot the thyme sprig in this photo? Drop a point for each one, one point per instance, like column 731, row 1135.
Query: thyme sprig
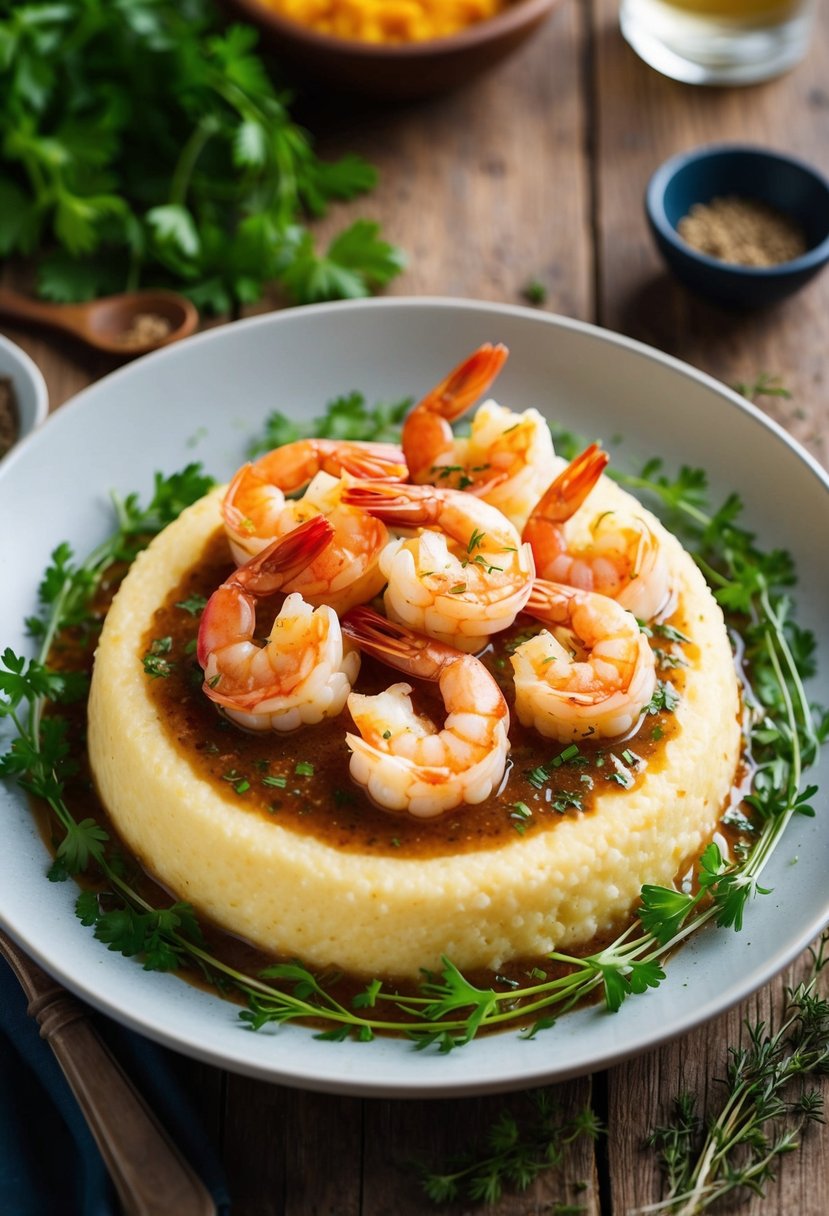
column 449, row 1010
column 769, row 1100
column 516, row 1152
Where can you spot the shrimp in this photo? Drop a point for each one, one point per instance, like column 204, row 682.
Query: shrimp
column 302, row 673
column 344, row 574
column 460, row 584
column 404, row 761
column 257, row 493
column 427, row 434
column 599, row 686
column 623, row 558
column 293, row 465
column 507, row 459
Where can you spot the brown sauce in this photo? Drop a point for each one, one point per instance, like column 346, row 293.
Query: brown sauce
column 301, row 779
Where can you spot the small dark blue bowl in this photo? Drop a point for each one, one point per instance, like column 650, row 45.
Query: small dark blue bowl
column 783, row 182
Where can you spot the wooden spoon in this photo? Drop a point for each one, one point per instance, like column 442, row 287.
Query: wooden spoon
column 150, row 1175
column 132, row 323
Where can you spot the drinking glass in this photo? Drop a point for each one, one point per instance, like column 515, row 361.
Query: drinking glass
column 718, row 41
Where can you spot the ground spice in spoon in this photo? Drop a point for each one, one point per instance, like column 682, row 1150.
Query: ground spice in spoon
column 146, row 328
column 9, row 417
column 743, row 231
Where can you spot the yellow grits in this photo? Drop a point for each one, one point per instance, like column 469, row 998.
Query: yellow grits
column 293, row 895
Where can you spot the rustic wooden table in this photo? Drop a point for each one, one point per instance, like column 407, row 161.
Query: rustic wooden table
column 537, row 173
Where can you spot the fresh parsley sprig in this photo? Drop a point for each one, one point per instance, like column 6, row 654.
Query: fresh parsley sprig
column 346, row 417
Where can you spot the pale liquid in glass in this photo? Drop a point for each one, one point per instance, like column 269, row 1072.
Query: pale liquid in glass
column 718, row 41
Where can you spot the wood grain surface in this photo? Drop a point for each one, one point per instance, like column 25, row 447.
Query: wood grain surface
column 537, row 172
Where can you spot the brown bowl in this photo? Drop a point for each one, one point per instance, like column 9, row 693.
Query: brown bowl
column 399, row 71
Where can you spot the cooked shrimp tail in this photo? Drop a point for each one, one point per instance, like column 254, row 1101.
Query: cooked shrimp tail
column 255, row 512
column 427, row 432
column 404, row 761
column 287, row 557
column 400, row 647
column 563, row 498
column 301, row 673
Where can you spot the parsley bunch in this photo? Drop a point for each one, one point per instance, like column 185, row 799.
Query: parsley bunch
column 141, row 143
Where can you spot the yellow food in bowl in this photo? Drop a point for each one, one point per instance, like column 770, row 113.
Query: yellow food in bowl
column 296, row 895
column 387, row 21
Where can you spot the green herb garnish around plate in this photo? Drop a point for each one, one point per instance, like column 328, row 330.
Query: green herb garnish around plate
column 785, row 733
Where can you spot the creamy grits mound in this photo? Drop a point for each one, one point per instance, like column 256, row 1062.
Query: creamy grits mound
column 294, row 895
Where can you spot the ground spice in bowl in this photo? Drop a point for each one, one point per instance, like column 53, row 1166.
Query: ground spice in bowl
column 9, row 416
column 743, row 231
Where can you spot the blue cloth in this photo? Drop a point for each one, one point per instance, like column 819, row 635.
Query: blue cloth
column 49, row 1162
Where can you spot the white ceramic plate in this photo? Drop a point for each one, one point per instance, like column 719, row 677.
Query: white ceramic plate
column 202, row 400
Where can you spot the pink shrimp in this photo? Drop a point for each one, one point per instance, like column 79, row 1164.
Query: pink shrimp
column 344, row 574
column 405, row 762
column 255, row 498
column 599, row 683
column 427, row 434
column 464, row 577
column 301, row 673
column 622, row 559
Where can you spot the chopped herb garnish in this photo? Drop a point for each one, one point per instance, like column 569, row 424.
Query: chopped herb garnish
column 240, row 783
column 534, row 292
column 304, row 768
column 538, row 776
column 665, row 697
column 568, row 800
column 194, row 605
column 667, row 660
column 156, row 664
column 570, row 755
column 765, row 385
column 669, row 633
